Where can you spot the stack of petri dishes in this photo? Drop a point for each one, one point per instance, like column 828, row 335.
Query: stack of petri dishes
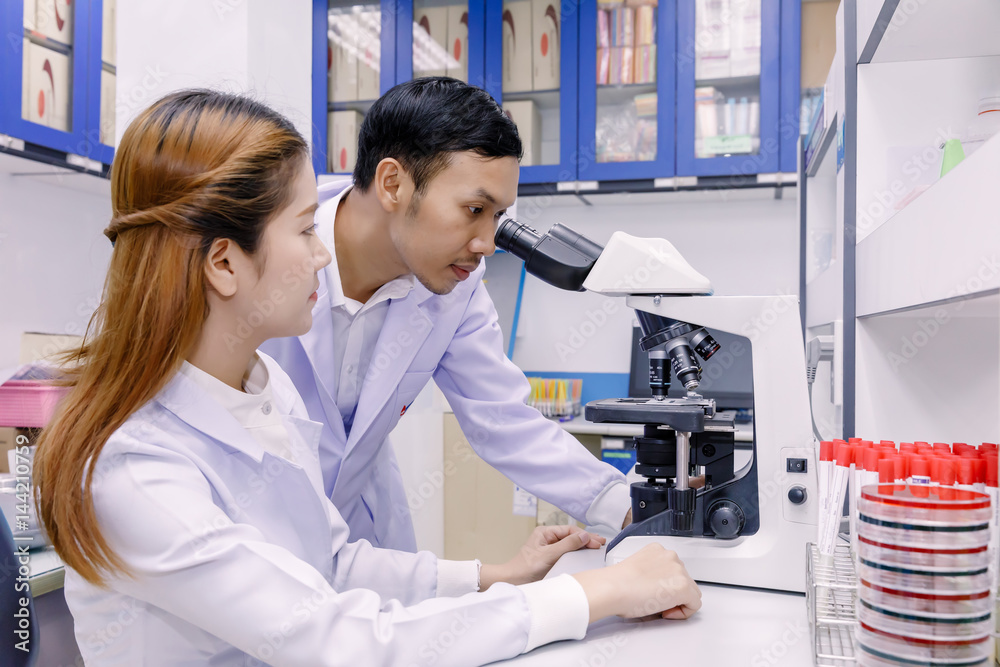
column 924, row 578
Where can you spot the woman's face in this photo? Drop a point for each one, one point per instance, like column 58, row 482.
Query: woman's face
column 279, row 303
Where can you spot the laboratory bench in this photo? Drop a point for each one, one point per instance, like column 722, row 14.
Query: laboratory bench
column 735, row 627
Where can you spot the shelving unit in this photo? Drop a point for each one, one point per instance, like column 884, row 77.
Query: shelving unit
column 944, row 245
column 919, row 281
column 895, row 31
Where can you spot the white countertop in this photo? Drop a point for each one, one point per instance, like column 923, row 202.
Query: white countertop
column 47, row 571
column 734, row 627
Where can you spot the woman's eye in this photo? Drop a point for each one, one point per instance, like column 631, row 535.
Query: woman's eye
column 310, row 230
column 475, row 210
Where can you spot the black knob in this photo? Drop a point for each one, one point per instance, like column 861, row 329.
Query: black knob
column 725, row 518
column 797, row 494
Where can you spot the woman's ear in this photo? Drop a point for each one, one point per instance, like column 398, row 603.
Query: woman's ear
column 220, row 267
column 393, row 185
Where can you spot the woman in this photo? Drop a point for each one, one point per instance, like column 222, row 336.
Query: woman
column 180, row 481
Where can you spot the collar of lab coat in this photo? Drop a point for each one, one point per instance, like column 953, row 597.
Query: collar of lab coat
column 404, row 315
column 186, row 399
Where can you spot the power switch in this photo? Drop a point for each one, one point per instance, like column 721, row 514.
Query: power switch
column 795, row 465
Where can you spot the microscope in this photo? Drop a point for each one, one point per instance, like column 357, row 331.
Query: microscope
column 746, row 525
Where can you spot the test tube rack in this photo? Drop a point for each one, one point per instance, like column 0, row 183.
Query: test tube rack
column 831, row 596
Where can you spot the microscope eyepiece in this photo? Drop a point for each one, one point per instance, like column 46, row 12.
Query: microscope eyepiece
column 560, row 257
column 515, row 238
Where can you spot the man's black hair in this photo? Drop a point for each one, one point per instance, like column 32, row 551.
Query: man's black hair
column 420, row 122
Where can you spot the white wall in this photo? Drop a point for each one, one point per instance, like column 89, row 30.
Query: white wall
column 53, row 256
column 259, row 47
column 745, row 241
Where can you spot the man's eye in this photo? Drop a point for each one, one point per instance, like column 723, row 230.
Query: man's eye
column 475, row 210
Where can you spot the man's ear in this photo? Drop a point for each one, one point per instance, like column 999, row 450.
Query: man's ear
column 220, row 267
column 393, row 185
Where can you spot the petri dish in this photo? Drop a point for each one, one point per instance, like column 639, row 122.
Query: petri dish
column 903, row 578
column 924, row 504
column 917, row 599
column 925, row 556
column 950, row 627
column 890, row 646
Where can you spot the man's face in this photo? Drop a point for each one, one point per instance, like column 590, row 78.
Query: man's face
column 443, row 234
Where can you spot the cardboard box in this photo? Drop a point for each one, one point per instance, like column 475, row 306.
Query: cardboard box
column 430, row 34
column 517, row 43
column 8, row 440
column 107, row 128
column 343, row 127
column 46, row 89
column 54, row 19
column 369, row 55
column 545, row 50
column 341, row 58
column 458, row 42
column 109, row 36
column 30, row 13
column 645, row 25
column 525, row 115
column 645, row 64
column 45, row 347
column 479, row 519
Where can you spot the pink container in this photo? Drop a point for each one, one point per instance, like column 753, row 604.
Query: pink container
column 29, row 403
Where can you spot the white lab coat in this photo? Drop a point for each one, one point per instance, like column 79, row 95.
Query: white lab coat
column 239, row 556
column 454, row 338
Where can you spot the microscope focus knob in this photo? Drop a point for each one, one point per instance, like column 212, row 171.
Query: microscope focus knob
column 725, row 518
column 797, row 494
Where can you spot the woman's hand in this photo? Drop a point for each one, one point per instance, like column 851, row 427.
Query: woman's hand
column 541, row 551
column 650, row 581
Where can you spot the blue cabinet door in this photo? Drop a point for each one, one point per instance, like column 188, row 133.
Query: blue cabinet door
column 102, row 74
column 354, row 62
column 791, row 74
column 728, row 87
column 446, row 38
column 52, row 109
column 627, row 90
column 531, row 69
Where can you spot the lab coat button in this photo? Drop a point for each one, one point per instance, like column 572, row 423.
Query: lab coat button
column 266, row 408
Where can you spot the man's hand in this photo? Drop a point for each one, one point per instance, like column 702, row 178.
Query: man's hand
column 544, row 547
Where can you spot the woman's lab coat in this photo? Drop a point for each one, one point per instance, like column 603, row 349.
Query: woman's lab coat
column 239, row 556
column 454, row 338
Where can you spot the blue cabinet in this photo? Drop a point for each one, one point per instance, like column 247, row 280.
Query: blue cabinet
column 601, row 90
column 627, row 83
column 531, row 70
column 728, row 87
column 59, row 85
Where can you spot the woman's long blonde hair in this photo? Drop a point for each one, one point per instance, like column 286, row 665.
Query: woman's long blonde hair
column 196, row 166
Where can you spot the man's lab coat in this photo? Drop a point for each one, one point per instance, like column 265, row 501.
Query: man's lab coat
column 456, row 340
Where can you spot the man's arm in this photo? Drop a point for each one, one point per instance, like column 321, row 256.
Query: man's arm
column 487, row 392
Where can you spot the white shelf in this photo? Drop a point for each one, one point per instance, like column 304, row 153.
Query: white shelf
column 931, row 373
column 825, row 296
column 944, row 245
column 908, row 30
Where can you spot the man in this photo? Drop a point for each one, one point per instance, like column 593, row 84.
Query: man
column 403, row 301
